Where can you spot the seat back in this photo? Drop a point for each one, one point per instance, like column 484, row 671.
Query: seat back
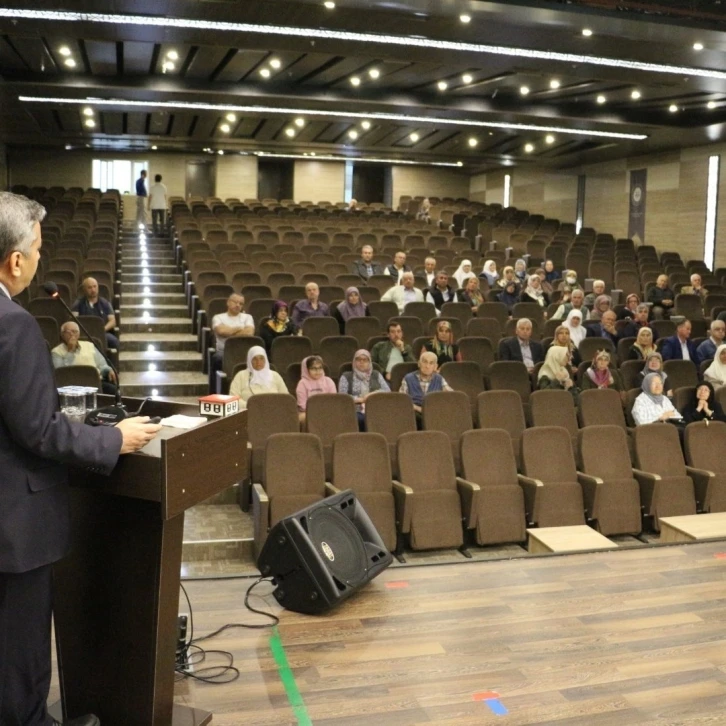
column 487, row 457
column 479, row 350
column 425, row 461
column 336, row 350
column 267, row 414
column 705, row 445
column 601, row 407
column 502, row 410
column 510, row 375
column 363, row 329
column 78, row 376
column 464, row 376
column 235, row 352
column 353, row 450
column 604, row 452
column 658, row 450
column 485, row 328
column 390, row 414
column 294, row 465
column 547, row 454
column 681, row 373
column 553, row 407
column 289, row 349
column 318, row 328
column 450, row 413
column 330, row 414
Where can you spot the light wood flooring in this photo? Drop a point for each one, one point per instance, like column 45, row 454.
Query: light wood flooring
column 624, row 637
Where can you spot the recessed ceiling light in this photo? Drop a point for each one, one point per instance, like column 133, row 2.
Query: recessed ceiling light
column 601, row 99
column 467, row 78
column 524, row 90
column 172, row 55
column 353, row 134
column 312, row 153
column 224, row 128
column 635, row 95
column 473, row 142
column 711, row 104
column 90, row 123
column 550, row 139
column 167, row 66
column 442, row 85
column 290, row 133
column 374, row 73
column 265, row 72
column 299, row 122
column 554, row 84
column 465, row 18
column 68, row 147
column 459, row 163
column 414, row 137
column 276, row 63
column 329, row 4
column 587, row 32
column 673, row 108
column 355, row 81
column 366, row 125
column 529, row 148
column 70, row 62
column 698, row 46
column 64, row 50
column 221, row 152
column 88, row 111
column 231, row 117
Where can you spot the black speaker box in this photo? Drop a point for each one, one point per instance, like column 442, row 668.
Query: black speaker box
column 322, row 554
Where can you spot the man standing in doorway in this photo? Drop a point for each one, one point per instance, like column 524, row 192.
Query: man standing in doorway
column 141, row 195
column 158, row 205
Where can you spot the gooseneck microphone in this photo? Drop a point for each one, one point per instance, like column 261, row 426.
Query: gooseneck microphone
column 107, row 415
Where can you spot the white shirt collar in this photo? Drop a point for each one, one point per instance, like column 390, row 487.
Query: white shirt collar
column 5, row 290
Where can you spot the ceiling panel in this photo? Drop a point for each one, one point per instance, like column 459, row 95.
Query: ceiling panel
column 102, row 57
column 137, row 57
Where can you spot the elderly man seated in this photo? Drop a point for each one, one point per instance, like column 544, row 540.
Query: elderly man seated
column 235, row 322
column 598, row 288
column 76, row 352
column 404, row 293
column 521, row 347
column 577, row 302
column 422, row 382
column 311, row 307
column 90, row 303
column 707, row 349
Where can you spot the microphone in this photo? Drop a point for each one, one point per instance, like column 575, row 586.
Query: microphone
column 107, row 415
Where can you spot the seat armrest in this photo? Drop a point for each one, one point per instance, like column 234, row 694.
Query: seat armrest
column 221, row 384
column 647, row 482
column 260, row 517
column 469, row 495
column 530, row 487
column 331, row 490
column 403, row 498
column 701, row 480
column 589, row 486
column 646, row 475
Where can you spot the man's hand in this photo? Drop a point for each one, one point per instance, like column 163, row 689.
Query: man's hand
column 112, row 377
column 137, row 432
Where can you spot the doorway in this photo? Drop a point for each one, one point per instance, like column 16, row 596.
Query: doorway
column 275, row 179
column 200, row 179
column 368, row 182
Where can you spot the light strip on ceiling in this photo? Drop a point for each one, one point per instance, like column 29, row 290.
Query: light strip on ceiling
column 368, row 159
column 323, row 34
column 223, row 107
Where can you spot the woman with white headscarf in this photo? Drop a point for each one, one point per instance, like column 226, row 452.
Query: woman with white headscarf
column 258, row 377
column 715, row 374
column 573, row 323
column 463, row 273
column 534, row 292
column 489, row 271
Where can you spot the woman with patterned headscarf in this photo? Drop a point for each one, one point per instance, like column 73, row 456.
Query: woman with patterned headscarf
column 442, row 344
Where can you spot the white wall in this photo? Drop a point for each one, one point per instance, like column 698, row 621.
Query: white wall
column 319, row 181
column 237, row 177
column 428, row 181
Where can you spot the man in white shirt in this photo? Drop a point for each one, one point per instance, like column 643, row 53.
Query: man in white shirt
column 430, row 271
column 398, row 267
column 404, row 293
column 233, row 323
column 158, row 206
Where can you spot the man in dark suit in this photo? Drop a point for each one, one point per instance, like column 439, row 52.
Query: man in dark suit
column 521, row 347
column 36, row 444
column 605, row 328
column 365, row 267
column 679, row 346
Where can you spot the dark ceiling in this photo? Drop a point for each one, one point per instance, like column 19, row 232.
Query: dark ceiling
column 120, row 62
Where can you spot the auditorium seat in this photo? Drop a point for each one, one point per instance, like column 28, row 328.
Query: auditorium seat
column 374, row 490
column 485, row 328
column 318, row 328
column 78, row 376
column 399, row 372
column 681, row 373
column 666, row 490
column 510, row 375
column 503, row 410
column 235, row 353
column 465, row 376
column 289, row 349
column 327, row 415
column 552, row 493
column 50, row 329
column 551, row 407
column 390, row 414
column 496, row 511
column 477, row 349
column 611, row 494
column 705, row 444
column 589, row 347
column 449, row 412
column 363, row 329
column 384, row 310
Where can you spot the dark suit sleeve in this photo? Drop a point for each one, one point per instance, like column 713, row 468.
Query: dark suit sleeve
column 667, row 351
column 29, row 402
column 537, row 351
column 505, row 350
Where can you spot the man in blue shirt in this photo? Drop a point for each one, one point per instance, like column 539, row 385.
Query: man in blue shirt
column 90, row 303
column 141, row 195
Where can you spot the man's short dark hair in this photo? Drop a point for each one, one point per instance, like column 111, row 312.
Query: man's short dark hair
column 143, row 172
column 393, row 325
column 157, row 178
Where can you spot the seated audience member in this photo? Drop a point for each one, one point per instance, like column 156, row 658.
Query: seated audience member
column 489, row 272
column 463, row 273
column 472, row 294
column 715, row 374
column 279, row 324
column 521, row 347
column 555, row 372
column 424, row 212
column 442, row 344
column 631, row 307
column 551, row 274
column 605, row 328
column 397, row 267
column 654, row 364
column 703, row 406
column 662, row 298
column 311, row 307
column 258, row 377
column 430, row 270
column 313, row 381
column 570, row 278
column 441, row 292
column 404, row 293
column 651, row 405
column 707, row 349
column 353, row 205
column 643, row 345
column 509, row 296
column 507, row 277
column 352, row 307
column 576, row 302
column 600, row 375
column 232, row 324
column 534, row 292
column 562, row 338
column 573, row 323
column 361, row 382
column 638, row 321
column 520, row 271
column 598, row 288
column 73, row 351
column 603, row 303
column 388, row 353
column 365, row 267
column 422, row 382
column 696, row 287
column 544, row 282
column 91, row 303
column 679, row 346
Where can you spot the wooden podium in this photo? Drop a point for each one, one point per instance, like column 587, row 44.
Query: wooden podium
column 117, row 593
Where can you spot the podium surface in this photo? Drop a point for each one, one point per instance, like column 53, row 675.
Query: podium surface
column 116, row 595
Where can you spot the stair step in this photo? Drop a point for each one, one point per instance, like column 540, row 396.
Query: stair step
column 156, row 325
column 171, row 385
column 137, row 342
column 156, row 299
column 168, row 361
column 155, row 268
column 152, row 277
column 155, row 288
column 217, row 532
column 161, row 311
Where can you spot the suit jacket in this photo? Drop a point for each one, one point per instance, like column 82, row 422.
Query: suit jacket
column 671, row 349
column 359, row 268
column 596, row 331
column 36, row 444
column 509, row 350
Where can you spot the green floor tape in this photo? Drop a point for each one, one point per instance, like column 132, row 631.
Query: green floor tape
column 288, row 680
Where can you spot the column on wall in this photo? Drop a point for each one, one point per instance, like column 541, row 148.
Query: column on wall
column 319, row 181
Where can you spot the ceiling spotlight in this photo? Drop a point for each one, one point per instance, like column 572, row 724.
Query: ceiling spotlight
column 550, row 139
column 312, row 153
column 673, row 108
column 154, row 148
column 167, row 66
column 635, row 95
column 698, row 46
column 329, row 4
column 529, row 148
column 465, row 18
column 554, row 84
column 172, row 55
column 414, row 137
column 355, row 81
column 68, row 147
column 90, row 123
column 473, row 142
column 587, row 32
column 64, row 50
column 442, row 85
column 290, row 133
column 231, row 117
column 221, row 152
column 276, row 63
column 711, row 104
column 265, row 72
column 374, row 73
column 467, row 78
column 524, row 90
column 70, row 62
column 601, row 99
column 353, row 134
column 459, row 163
column 299, row 122
column 366, row 125
column 88, row 111
column 224, row 128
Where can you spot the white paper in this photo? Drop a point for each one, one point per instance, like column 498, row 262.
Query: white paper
column 179, row 421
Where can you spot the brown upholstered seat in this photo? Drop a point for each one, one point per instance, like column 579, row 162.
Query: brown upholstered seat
column 79, row 375
column 450, row 412
column 552, row 493
column 503, row 410
column 552, row 407
column 464, row 376
column 510, row 375
column 612, row 495
column 327, row 415
column 496, row 512
column 666, row 490
column 355, row 454
column 390, row 414
column 705, row 446
column 318, row 328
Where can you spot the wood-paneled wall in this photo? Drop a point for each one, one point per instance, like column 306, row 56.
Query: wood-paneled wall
column 236, row 177
column 428, row 181
column 319, row 181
